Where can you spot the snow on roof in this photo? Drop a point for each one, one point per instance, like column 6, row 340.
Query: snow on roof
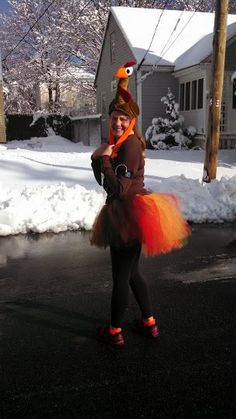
column 188, row 45
column 79, row 73
column 93, row 116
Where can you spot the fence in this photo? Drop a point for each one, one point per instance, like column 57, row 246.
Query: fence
column 22, row 127
column 227, row 141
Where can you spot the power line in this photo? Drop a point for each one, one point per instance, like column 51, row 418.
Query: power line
column 153, row 36
column 164, row 50
column 35, row 23
column 154, row 67
column 179, row 32
column 30, row 28
column 173, row 31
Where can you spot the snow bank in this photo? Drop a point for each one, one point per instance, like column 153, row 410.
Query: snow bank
column 47, row 185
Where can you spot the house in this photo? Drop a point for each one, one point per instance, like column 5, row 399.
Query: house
column 172, row 49
column 72, row 86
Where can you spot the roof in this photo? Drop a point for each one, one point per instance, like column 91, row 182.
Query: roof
column 189, row 44
column 76, row 73
column 71, row 73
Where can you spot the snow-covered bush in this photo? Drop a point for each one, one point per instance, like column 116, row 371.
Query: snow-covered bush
column 165, row 133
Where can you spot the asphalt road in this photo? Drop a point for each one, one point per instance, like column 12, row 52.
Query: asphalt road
column 54, row 291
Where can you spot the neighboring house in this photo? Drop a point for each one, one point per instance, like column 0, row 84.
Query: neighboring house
column 72, row 91
column 179, row 57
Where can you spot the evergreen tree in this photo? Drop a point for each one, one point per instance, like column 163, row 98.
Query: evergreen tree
column 169, row 132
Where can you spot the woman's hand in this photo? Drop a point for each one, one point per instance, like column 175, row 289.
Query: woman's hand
column 103, row 150
column 108, row 150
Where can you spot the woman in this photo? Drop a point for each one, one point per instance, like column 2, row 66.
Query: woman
column 133, row 219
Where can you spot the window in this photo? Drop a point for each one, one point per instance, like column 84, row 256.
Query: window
column 234, row 94
column 191, row 95
column 182, row 89
column 187, row 96
column 200, row 94
column 112, row 47
column 194, row 95
column 223, row 117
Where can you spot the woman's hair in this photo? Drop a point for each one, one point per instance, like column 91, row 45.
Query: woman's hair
column 140, row 136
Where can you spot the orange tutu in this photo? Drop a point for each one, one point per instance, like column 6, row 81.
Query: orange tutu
column 154, row 220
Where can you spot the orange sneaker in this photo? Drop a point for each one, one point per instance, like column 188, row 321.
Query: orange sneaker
column 148, row 330
column 116, row 339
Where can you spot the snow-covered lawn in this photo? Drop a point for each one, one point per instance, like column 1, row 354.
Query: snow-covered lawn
column 47, row 185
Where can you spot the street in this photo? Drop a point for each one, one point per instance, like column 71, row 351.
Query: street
column 55, row 290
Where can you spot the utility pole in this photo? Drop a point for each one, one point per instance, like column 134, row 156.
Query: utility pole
column 2, row 117
column 218, row 64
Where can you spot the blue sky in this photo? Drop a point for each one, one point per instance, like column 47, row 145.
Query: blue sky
column 4, row 5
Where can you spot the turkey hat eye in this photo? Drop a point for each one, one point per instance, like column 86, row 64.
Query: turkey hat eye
column 129, row 71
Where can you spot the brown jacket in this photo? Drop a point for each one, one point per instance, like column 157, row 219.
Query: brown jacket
column 124, row 175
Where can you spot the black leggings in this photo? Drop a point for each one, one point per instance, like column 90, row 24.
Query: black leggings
column 125, row 272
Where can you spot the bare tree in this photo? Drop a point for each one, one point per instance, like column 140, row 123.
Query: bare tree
column 56, row 42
